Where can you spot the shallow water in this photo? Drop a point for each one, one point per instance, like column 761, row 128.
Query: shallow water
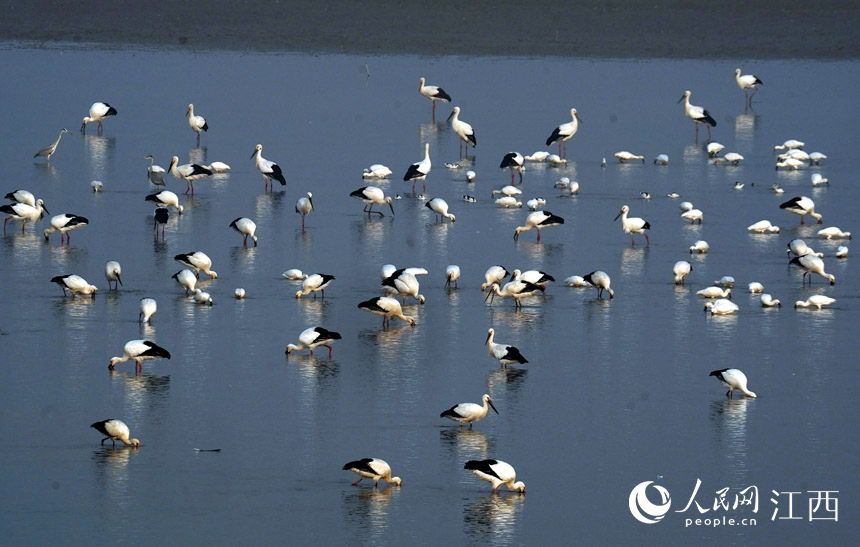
column 616, row 393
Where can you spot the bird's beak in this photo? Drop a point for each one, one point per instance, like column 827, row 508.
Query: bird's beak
column 488, row 334
column 253, row 153
column 577, row 117
column 485, row 299
column 682, row 98
column 616, row 216
column 493, row 406
column 118, row 278
column 187, row 113
column 451, row 115
column 46, row 209
column 391, row 205
column 311, row 200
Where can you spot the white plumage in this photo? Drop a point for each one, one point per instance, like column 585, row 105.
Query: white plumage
column 721, row 306
column 715, row 292
column 197, row 123
column 420, row 169
column 386, row 307
column 98, row 112
column 376, row 171
column 65, row 223
column 463, row 130
column 494, row 274
column 148, row 307
column 681, row 269
column 371, row 195
column 372, row 468
column 269, row 169
column 440, row 209
column 155, row 173
column 624, row 155
column 802, row 206
column 139, row 351
column 733, row 379
column 166, row 198
column 497, row 473
column 115, row 430
column 538, row 220
column 817, row 300
column 503, row 353
column 434, row 93
column 188, row 172
column 315, row 283
column 246, row 227
column 763, row 226
column 113, row 273
column 186, row 279
column 452, row 276
column 468, row 413
column 833, row 231
column 515, row 290
column 197, row 261
column 633, row 225
column 304, row 205
column 701, row 247
column 23, row 212
column 812, row 264
column 564, row 132
column 312, row 338
column 75, row 285
column 698, row 114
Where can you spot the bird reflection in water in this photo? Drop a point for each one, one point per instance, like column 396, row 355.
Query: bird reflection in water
column 430, row 132
column 506, row 381
column 142, row 391
column 243, row 258
column 464, row 444
column 99, row 150
column 729, row 417
column 493, row 516
column 315, row 311
column 366, row 511
column 368, row 234
column 631, row 260
column 198, row 155
column 269, row 204
column 745, row 127
column 319, row 369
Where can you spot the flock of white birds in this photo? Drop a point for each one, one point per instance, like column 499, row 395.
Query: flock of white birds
column 404, row 283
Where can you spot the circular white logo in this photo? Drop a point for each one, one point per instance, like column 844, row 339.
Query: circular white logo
column 644, row 510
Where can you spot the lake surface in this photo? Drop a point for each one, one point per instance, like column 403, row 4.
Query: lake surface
column 616, row 392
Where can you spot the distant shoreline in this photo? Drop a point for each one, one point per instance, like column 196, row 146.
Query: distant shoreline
column 575, row 28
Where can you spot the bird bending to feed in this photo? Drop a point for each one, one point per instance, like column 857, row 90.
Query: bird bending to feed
column 403, row 283
column 304, row 205
column 747, row 82
column 715, row 292
column 98, row 112
column 246, row 227
column 800, row 248
column 538, row 220
column 564, row 132
column 508, row 201
column 65, row 223
column 681, row 269
column 497, row 473
column 698, row 114
column 714, row 148
column 372, row 468
column 693, row 215
column 540, row 155
column 371, row 195
column 701, row 247
column 721, row 306
column 113, row 274
column 790, row 144
column 732, row 157
column 812, row 264
column 419, row 170
column 755, row 287
column 197, row 261
column 75, row 284
column 661, row 159
column 197, row 123
column 23, row 212
column 386, row 307
column 186, row 279
column 376, row 171
column 763, row 226
column 312, row 338
column 768, row 301
column 166, row 198
column 49, row 150
column 239, row 293
column 841, row 251
column 515, row 290
column 440, row 209
column 726, row 281
column 452, row 276
column 217, row 167
column 503, row 353
column 576, row 281
column 139, row 351
column 468, row 413
column 513, row 161
column 600, row 280
column 433, row 93
column 793, row 164
column 494, row 274
column 801, row 205
column 633, row 225
column 188, row 172
column 733, row 379
column 269, row 169
column 463, row 130
column 294, row 274
column 818, row 180
column 817, row 300
column 624, row 155
column 508, row 190
column 202, row 297
column 815, row 158
column 315, row 283
column 115, row 430
column 148, row 307
column 833, row 231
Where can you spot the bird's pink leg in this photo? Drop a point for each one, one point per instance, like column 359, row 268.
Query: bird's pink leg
column 245, row 241
column 801, row 219
column 187, row 187
column 538, row 234
column 192, row 188
column 512, row 176
column 303, row 222
column 329, row 351
column 413, row 186
column 423, row 186
column 647, row 241
column 358, row 481
column 632, row 240
column 25, row 223
column 4, row 224
column 565, row 157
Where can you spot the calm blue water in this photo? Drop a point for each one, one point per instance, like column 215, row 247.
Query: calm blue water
column 616, row 393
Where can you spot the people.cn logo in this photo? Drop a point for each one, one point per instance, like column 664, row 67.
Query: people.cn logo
column 645, row 511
